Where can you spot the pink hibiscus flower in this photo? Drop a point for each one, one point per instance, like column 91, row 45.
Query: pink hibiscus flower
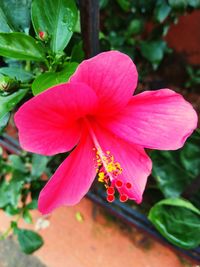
column 96, row 113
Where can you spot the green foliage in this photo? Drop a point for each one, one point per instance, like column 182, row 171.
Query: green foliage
column 50, row 79
column 20, row 46
column 57, row 19
column 8, row 102
column 29, row 241
column 16, row 14
column 178, row 221
column 175, row 170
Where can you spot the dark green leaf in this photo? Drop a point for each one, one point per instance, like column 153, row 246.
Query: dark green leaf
column 55, row 18
column 77, row 53
column 29, row 241
column 17, row 73
column 161, row 11
column 48, row 79
column 135, row 27
column 4, row 187
column 4, row 26
column 124, row 4
column 194, row 3
column 7, row 103
column 39, row 164
column 178, row 221
column 21, row 46
column 174, row 170
column 178, row 5
column 27, row 216
column 17, row 163
column 32, row 205
column 153, row 51
column 17, row 13
column 4, row 120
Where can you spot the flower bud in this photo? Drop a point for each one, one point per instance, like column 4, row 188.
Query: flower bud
column 8, row 84
column 43, row 35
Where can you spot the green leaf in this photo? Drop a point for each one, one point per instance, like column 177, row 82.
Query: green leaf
column 17, row 13
column 27, row 216
column 29, row 241
column 17, row 163
column 49, row 79
column 4, row 26
column 175, row 170
column 7, row 103
column 39, row 164
column 33, row 205
column 57, row 19
column 153, row 51
column 178, row 221
column 17, row 73
column 178, row 5
column 4, row 187
column 194, row 3
column 4, row 121
column 21, row 46
column 161, row 11
column 124, row 4
column 77, row 53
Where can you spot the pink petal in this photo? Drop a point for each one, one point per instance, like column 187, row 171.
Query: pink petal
column 48, row 123
column 112, row 75
column 159, row 119
column 133, row 160
column 72, row 179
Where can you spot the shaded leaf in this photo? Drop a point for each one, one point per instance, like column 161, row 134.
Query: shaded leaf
column 7, row 103
column 175, row 170
column 17, row 13
column 17, row 73
column 178, row 221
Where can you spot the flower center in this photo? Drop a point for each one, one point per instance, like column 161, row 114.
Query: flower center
column 108, row 171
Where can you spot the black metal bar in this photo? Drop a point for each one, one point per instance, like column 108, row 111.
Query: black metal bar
column 89, row 12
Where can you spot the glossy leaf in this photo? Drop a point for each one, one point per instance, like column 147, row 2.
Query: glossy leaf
column 29, row 241
column 175, row 170
column 179, row 5
column 49, row 79
column 161, row 11
column 4, row 26
column 7, row 103
column 4, row 120
column 154, row 51
column 57, row 19
column 178, row 221
column 17, row 73
column 39, row 164
column 20, row 46
column 17, row 163
column 17, row 13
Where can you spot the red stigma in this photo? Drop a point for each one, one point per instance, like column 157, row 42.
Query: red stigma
column 110, row 198
column 118, row 183
column 128, row 185
column 110, row 190
column 123, row 198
